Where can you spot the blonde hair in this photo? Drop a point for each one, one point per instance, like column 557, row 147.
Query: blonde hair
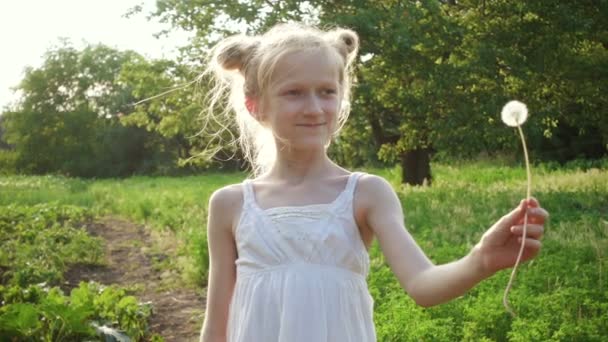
column 242, row 66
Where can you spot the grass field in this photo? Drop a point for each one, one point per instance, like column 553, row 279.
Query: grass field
column 560, row 296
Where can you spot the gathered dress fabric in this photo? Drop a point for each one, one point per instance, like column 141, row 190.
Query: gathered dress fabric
column 301, row 273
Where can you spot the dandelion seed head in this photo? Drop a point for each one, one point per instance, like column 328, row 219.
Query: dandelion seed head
column 514, row 113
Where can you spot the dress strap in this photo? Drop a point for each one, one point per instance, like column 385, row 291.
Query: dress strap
column 248, row 198
column 352, row 184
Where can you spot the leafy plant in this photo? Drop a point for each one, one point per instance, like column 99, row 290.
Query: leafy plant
column 39, row 242
column 91, row 310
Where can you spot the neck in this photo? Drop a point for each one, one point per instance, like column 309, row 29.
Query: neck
column 296, row 166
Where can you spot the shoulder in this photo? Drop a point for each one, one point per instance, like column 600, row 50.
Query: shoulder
column 227, row 196
column 374, row 194
column 373, row 187
column 225, row 204
column 374, row 201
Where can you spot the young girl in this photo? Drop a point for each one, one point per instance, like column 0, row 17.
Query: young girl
column 289, row 249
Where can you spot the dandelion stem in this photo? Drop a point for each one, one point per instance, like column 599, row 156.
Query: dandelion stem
column 505, row 299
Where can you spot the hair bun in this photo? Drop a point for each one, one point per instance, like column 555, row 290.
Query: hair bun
column 234, row 52
column 346, row 41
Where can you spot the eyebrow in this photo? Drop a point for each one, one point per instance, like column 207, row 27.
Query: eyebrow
column 290, row 84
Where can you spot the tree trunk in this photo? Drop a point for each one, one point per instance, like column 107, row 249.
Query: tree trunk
column 416, row 167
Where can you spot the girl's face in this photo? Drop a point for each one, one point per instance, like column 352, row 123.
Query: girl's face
column 303, row 99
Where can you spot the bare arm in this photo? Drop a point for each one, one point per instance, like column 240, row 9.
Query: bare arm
column 222, row 270
column 425, row 282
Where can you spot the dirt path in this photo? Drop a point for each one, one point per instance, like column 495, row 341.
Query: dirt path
column 178, row 312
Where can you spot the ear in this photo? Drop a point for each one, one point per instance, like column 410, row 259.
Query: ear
column 251, row 104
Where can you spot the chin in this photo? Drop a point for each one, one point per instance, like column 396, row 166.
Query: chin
column 318, row 144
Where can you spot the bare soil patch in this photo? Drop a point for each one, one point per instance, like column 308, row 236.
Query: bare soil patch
column 178, row 311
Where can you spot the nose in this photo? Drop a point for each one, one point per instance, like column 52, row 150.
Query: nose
column 314, row 105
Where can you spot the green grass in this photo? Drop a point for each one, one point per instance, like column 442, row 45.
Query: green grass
column 561, row 296
column 178, row 205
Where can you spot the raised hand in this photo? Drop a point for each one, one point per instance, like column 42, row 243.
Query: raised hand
column 500, row 245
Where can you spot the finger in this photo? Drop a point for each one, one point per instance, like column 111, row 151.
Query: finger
column 539, row 213
column 532, row 202
column 514, row 216
column 531, row 244
column 535, row 215
column 535, row 231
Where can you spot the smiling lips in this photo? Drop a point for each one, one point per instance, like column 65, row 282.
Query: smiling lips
column 312, row 125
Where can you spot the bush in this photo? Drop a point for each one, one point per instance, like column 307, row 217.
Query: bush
column 8, row 162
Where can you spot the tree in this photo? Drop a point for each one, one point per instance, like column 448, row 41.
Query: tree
column 554, row 56
column 391, row 33
column 408, row 96
column 438, row 72
column 68, row 106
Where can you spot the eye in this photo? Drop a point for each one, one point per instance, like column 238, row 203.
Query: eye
column 293, row 92
column 329, row 91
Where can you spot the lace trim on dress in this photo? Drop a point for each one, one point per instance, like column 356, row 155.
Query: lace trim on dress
column 250, row 199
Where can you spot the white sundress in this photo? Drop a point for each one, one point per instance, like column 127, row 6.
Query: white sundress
column 301, row 274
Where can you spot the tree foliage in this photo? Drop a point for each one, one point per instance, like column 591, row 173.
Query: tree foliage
column 552, row 55
column 438, row 72
column 65, row 121
column 168, row 103
column 432, row 78
column 78, row 115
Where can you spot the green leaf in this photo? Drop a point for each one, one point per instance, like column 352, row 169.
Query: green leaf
column 20, row 318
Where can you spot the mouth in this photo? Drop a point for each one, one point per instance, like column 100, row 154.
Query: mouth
column 311, row 125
